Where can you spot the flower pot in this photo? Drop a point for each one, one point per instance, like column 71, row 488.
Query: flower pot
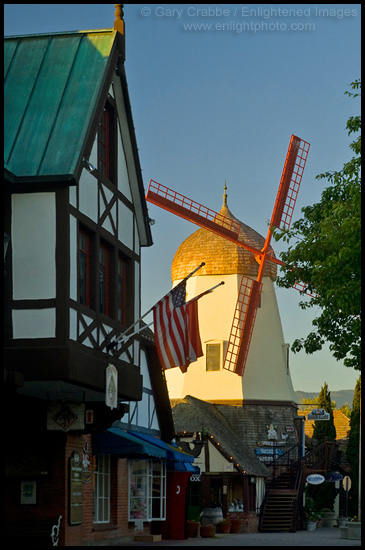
column 224, row 527
column 328, row 518
column 207, row 531
column 341, row 522
column 192, row 529
column 236, row 525
column 311, row 525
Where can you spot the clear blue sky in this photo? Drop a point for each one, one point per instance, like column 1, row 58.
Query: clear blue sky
column 216, row 91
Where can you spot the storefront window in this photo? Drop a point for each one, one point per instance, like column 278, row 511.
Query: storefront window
column 147, row 490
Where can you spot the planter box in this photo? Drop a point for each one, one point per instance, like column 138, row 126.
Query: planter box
column 353, row 530
column 341, row 522
column 329, row 520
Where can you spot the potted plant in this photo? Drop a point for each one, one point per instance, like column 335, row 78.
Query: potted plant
column 311, row 514
column 312, row 521
column 236, row 524
column 224, row 526
column 192, row 528
column 207, row 530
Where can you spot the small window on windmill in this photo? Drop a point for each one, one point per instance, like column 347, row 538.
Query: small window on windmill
column 213, row 357
column 286, row 349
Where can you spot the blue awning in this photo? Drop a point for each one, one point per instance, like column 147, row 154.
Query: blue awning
column 120, row 442
column 172, row 453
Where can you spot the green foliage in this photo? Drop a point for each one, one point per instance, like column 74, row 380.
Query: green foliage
column 325, row 495
column 325, row 428
column 327, row 258
column 318, row 497
column 346, row 410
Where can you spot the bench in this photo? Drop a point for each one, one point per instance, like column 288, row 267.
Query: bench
column 32, row 532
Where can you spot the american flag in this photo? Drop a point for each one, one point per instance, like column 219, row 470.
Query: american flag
column 177, row 329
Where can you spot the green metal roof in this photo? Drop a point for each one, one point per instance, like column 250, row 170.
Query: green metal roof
column 53, row 85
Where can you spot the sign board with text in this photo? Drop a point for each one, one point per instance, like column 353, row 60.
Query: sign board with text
column 318, row 414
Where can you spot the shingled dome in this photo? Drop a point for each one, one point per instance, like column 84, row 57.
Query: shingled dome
column 221, row 257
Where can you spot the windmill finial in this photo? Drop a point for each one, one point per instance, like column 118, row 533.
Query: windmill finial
column 120, row 27
column 119, row 23
column 225, row 194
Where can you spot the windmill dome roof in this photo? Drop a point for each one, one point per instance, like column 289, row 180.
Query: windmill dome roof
column 221, row 257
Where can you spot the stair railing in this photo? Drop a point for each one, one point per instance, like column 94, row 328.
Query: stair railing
column 286, row 460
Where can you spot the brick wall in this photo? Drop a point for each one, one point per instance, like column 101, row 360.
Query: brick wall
column 53, row 488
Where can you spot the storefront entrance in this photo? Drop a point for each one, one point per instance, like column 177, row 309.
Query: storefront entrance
column 194, row 497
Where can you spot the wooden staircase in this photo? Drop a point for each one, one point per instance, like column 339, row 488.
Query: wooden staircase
column 282, row 508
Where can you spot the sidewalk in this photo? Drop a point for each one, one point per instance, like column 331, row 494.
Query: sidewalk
column 319, row 537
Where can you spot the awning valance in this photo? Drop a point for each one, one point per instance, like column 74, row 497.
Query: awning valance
column 120, row 442
column 172, row 453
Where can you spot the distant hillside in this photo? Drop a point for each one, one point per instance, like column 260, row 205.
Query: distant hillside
column 340, row 397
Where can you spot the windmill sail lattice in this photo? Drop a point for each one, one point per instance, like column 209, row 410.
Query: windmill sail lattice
column 250, row 290
column 242, row 325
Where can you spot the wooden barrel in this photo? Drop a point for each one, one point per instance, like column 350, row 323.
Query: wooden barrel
column 211, row 515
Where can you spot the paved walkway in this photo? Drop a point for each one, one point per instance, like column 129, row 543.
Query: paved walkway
column 319, row 537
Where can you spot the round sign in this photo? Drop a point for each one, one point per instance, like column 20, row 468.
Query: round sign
column 315, row 479
column 346, row 483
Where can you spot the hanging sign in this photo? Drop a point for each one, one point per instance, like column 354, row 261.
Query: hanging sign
column 111, row 390
column 334, row 476
column 315, row 479
column 271, row 451
column 75, row 489
column 318, row 414
column 65, row 415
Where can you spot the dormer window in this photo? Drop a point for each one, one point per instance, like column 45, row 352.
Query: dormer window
column 107, row 143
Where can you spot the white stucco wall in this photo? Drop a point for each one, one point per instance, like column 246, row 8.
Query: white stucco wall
column 33, row 236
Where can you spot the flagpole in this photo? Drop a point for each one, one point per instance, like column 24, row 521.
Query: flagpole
column 120, row 337
column 206, row 291
column 124, row 337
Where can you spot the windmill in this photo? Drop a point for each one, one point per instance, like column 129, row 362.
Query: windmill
column 250, row 289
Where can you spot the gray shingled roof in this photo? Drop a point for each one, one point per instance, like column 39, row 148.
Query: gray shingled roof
column 192, row 414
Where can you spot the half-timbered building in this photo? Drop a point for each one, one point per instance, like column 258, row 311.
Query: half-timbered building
column 75, row 223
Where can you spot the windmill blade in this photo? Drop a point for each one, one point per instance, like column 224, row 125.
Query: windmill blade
column 178, row 204
column 289, row 184
column 298, row 285
column 242, row 325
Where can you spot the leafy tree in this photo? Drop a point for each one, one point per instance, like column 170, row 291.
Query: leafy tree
column 346, row 410
column 324, row 428
column 327, row 258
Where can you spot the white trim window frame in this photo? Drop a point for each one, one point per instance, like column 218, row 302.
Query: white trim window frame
column 214, row 351
column 102, row 490
column 146, row 489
